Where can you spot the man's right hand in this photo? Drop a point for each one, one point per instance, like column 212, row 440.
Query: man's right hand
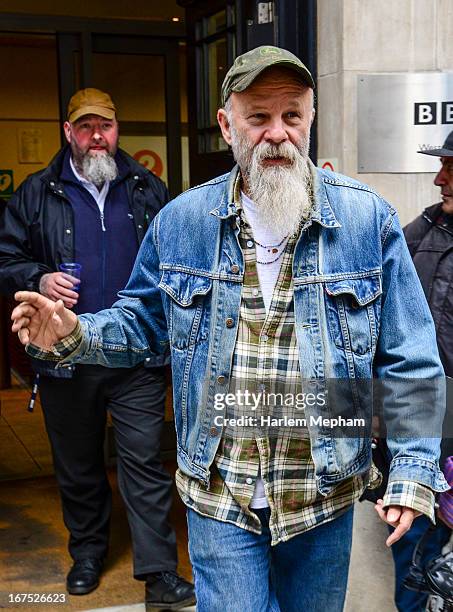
column 58, row 286
column 41, row 321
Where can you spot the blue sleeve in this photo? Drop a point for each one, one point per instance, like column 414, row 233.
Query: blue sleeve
column 407, row 369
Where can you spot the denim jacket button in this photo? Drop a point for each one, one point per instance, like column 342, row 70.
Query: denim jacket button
column 229, row 322
column 235, row 269
column 213, row 432
column 221, row 379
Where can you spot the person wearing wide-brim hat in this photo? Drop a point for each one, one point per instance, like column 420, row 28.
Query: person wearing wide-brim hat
column 430, row 240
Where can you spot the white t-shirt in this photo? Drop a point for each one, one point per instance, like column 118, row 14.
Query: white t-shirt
column 267, row 276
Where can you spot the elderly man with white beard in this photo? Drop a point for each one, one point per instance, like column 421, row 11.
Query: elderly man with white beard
column 280, row 276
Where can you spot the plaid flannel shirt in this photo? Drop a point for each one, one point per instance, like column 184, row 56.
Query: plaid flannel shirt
column 266, row 352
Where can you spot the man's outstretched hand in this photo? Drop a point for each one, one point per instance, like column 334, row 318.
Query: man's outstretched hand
column 41, row 321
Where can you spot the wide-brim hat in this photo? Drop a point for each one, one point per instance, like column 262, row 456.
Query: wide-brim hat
column 445, row 151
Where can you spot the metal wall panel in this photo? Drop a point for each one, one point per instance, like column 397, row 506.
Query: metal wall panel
column 400, row 114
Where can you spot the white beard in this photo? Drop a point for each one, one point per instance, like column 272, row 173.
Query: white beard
column 281, row 193
column 99, row 168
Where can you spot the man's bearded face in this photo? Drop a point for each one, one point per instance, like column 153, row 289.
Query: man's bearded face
column 281, row 191
column 94, row 142
column 268, row 127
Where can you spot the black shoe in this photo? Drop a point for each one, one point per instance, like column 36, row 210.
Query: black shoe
column 84, row 576
column 168, row 591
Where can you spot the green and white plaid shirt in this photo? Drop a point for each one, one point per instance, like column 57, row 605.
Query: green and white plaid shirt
column 266, row 354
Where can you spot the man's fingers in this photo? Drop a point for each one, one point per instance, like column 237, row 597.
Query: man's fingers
column 405, row 523
column 20, row 323
column 24, row 335
column 29, row 296
column 393, row 515
column 63, row 280
column 67, row 317
column 21, row 316
column 390, row 515
column 399, row 531
column 380, row 510
column 22, row 310
column 401, row 518
column 67, row 280
column 62, row 292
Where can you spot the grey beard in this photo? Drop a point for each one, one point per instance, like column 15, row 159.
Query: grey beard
column 99, row 168
column 282, row 193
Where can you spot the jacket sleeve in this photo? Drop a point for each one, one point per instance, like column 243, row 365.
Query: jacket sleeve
column 414, row 232
column 18, row 268
column 409, row 373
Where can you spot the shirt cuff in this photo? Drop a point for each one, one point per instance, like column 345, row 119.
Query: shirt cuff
column 60, row 350
column 411, row 495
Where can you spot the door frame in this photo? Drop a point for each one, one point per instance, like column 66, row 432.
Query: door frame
column 293, row 26
column 84, row 37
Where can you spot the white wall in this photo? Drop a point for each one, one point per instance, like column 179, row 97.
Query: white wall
column 360, row 36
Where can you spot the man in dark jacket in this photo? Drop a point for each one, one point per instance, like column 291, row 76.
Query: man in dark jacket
column 92, row 205
column 430, row 241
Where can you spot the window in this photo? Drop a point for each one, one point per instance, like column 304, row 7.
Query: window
column 215, row 40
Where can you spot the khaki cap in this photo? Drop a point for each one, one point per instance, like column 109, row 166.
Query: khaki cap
column 90, row 101
column 248, row 66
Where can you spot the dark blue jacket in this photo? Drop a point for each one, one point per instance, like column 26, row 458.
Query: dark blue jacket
column 105, row 245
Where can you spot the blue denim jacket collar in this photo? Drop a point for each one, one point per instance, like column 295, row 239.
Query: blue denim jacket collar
column 323, row 212
column 226, row 207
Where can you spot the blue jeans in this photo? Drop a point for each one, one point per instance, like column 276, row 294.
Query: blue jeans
column 402, row 551
column 238, row 571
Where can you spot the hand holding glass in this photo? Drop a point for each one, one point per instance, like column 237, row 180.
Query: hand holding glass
column 72, row 269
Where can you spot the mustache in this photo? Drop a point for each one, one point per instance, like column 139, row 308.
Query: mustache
column 284, row 150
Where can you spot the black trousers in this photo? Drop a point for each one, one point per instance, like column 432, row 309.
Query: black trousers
column 75, row 413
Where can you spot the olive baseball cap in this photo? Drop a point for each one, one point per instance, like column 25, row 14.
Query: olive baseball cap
column 90, row 101
column 445, row 151
column 249, row 65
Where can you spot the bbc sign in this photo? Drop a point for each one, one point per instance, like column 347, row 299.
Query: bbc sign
column 426, row 113
column 400, row 114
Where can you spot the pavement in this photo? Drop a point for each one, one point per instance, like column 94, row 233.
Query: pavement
column 371, row 575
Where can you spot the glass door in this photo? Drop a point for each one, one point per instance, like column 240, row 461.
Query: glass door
column 142, row 75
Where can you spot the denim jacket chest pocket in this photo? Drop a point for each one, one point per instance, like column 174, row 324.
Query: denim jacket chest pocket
column 187, row 307
column 353, row 312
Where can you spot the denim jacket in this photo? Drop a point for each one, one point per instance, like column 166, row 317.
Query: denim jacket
column 359, row 309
